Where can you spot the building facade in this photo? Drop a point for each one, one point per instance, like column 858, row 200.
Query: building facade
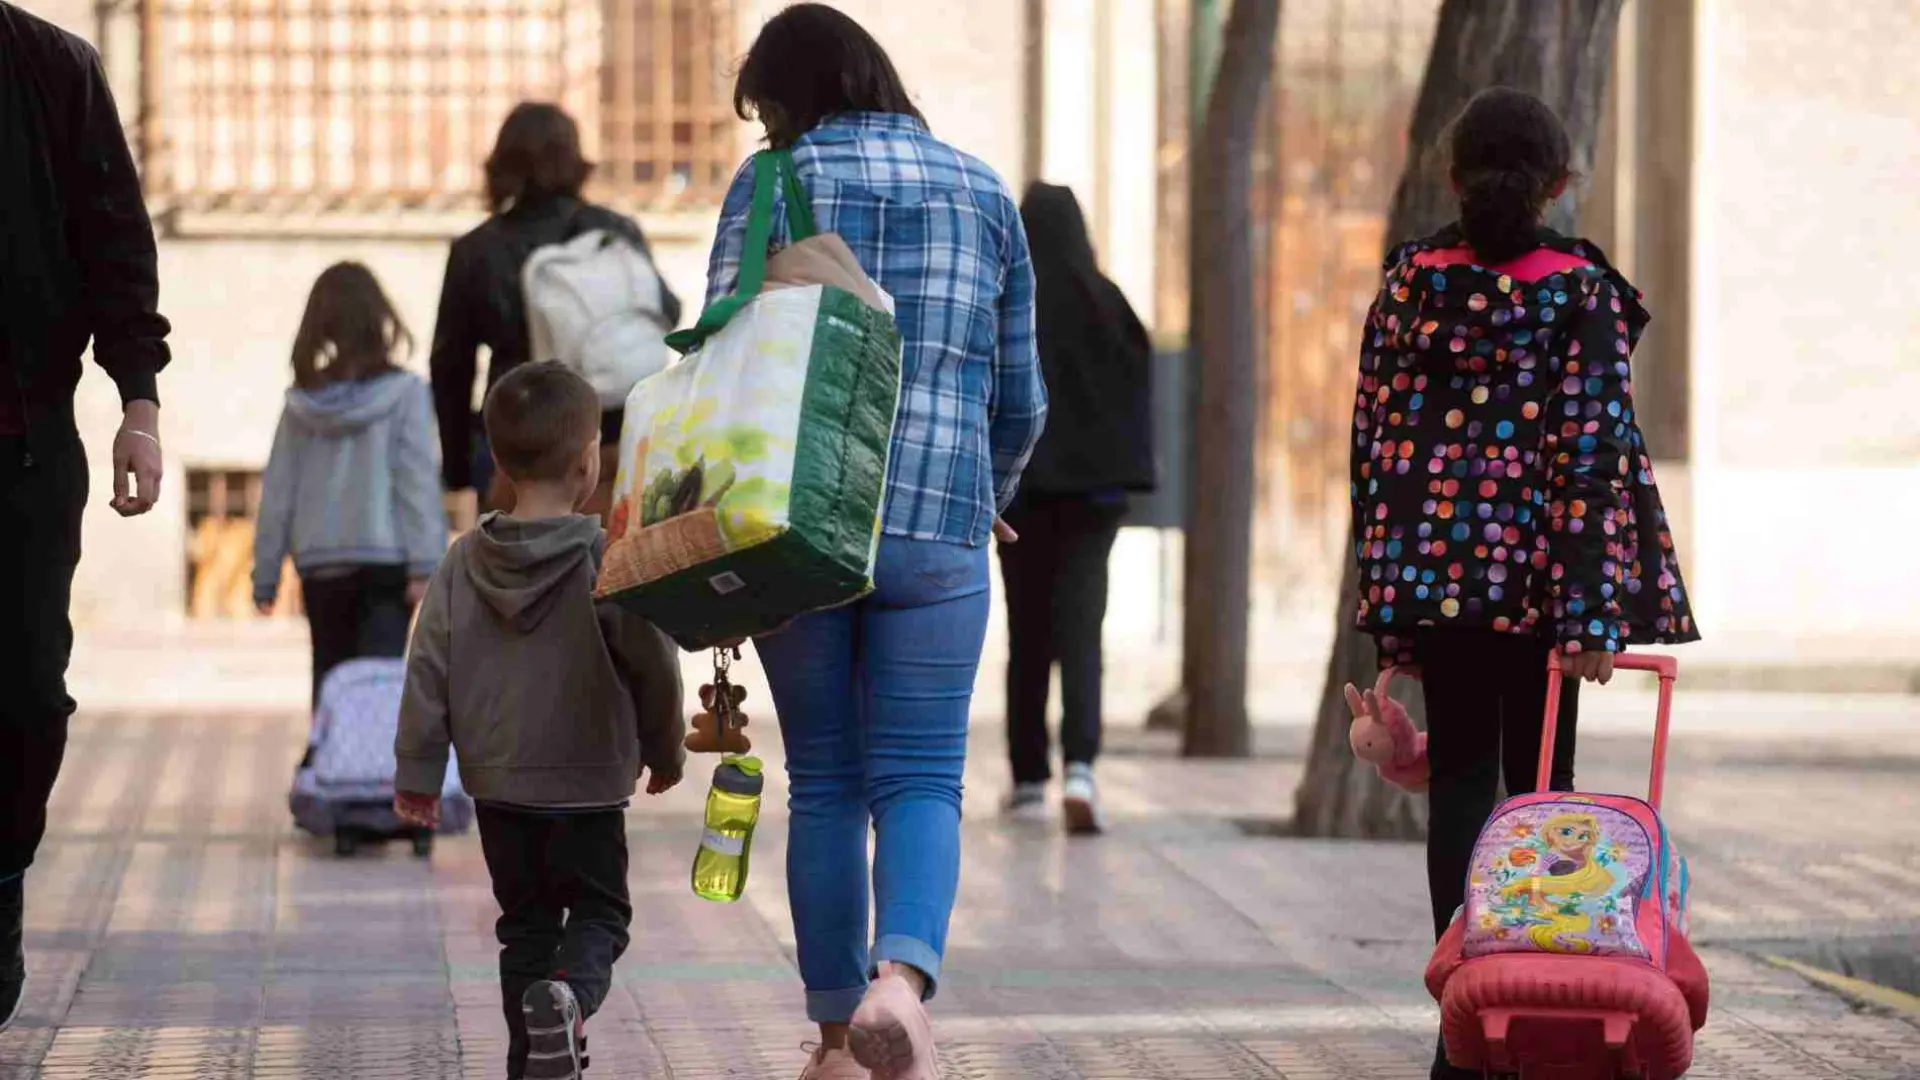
column 1751, row 178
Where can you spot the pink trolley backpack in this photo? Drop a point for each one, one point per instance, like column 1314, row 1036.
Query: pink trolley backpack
column 1570, row 958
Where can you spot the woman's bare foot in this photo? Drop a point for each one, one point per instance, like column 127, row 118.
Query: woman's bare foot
column 892, row 1034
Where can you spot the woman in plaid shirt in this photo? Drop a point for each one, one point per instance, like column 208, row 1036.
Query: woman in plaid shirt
column 874, row 697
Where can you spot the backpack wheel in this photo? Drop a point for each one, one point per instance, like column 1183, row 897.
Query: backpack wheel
column 345, row 843
column 423, row 843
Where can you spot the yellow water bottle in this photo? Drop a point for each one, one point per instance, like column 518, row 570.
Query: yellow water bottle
column 733, row 808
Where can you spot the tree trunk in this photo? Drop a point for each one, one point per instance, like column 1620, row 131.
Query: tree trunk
column 1223, row 333
column 1561, row 50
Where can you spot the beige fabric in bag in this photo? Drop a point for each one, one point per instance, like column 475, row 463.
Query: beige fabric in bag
column 823, row 260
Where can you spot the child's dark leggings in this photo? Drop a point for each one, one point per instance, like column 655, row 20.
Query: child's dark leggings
column 355, row 612
column 1486, row 696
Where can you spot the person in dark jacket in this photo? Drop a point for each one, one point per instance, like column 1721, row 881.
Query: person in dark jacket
column 1097, row 447
column 534, row 178
column 77, row 266
column 1503, row 496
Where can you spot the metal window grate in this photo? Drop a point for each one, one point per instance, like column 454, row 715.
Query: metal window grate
column 222, row 505
column 366, row 105
column 668, row 135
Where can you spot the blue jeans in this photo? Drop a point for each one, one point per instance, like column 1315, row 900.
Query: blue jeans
column 873, row 701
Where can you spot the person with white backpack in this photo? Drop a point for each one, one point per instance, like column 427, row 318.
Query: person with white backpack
column 548, row 276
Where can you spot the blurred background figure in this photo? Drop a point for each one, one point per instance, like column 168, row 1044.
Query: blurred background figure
column 534, row 180
column 1097, row 447
column 350, row 489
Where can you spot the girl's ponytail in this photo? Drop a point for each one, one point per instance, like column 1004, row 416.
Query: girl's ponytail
column 1499, row 213
column 1510, row 154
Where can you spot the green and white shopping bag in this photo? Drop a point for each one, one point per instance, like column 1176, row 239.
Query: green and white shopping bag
column 752, row 471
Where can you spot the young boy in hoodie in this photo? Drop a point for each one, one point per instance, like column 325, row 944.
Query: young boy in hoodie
column 556, row 703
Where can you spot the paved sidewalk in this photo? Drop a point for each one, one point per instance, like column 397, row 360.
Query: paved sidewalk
column 178, row 927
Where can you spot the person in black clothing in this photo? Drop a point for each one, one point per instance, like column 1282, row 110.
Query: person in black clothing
column 1098, row 446
column 534, row 178
column 77, row 265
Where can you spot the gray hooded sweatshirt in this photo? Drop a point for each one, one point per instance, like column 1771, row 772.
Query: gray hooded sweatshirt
column 551, row 698
column 353, row 480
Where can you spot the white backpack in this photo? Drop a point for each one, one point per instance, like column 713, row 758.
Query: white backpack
column 595, row 303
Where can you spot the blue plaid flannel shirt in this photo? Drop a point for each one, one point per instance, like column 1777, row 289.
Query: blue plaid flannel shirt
column 938, row 231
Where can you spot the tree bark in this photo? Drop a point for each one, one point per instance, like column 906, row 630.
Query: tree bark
column 1562, row 51
column 1223, row 333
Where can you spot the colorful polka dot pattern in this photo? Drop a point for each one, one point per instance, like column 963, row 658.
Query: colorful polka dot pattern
column 1499, row 479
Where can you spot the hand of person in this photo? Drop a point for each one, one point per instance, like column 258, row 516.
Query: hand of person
column 1004, row 533
column 1593, row 666
column 422, row 811
column 416, row 591
column 136, row 453
column 660, row 781
column 264, row 607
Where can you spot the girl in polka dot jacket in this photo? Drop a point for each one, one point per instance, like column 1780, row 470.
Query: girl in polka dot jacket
column 1503, row 500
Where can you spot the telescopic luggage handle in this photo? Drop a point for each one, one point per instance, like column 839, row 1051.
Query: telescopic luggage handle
column 1666, row 667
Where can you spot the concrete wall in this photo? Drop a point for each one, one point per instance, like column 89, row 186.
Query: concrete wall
column 1807, row 341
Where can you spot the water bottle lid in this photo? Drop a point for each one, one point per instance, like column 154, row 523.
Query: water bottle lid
column 739, row 775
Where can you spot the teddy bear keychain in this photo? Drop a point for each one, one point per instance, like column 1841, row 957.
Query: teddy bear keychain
column 719, row 726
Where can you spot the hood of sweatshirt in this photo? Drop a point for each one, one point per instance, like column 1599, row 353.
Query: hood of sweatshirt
column 519, row 568
column 339, row 408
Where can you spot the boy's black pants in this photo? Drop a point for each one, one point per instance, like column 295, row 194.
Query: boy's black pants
column 561, row 881
column 1486, row 696
column 41, row 496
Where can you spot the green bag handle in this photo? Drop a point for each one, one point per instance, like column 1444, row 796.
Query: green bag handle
column 771, row 168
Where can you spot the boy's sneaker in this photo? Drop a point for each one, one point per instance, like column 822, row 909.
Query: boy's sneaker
column 1027, row 802
column 554, row 1041
column 13, row 955
column 1080, row 801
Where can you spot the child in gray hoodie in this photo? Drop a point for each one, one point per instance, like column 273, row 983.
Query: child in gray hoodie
column 352, row 487
column 555, row 702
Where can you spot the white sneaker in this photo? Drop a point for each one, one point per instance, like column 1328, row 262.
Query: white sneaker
column 1080, row 800
column 1026, row 802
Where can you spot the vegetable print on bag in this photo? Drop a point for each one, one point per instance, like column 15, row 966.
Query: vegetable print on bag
column 752, row 472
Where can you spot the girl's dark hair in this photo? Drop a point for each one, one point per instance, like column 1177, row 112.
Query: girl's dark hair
column 1509, row 153
column 350, row 331
column 537, row 154
column 810, row 62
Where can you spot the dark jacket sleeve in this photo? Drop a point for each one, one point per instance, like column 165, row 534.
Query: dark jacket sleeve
column 453, row 366
column 112, row 240
column 1589, row 444
column 424, row 739
column 651, row 666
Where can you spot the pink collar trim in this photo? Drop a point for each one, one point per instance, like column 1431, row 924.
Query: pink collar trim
column 1535, row 264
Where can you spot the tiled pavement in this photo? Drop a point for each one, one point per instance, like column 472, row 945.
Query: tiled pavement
column 178, row 927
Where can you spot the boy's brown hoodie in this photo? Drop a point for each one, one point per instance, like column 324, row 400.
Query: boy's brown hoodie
column 550, row 698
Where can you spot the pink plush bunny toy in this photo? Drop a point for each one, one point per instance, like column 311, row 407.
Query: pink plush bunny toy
column 1384, row 735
